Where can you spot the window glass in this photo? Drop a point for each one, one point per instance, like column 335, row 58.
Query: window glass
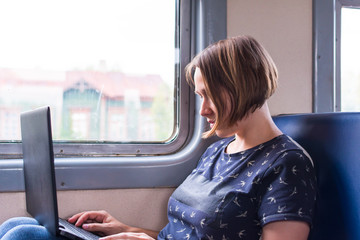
column 105, row 67
column 350, row 59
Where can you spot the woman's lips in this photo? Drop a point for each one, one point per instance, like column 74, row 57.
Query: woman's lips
column 211, row 122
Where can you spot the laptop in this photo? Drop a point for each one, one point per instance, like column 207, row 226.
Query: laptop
column 39, row 175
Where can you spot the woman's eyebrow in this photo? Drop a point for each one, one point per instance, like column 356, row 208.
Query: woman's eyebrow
column 200, row 92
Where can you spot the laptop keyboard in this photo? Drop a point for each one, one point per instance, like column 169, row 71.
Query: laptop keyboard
column 79, row 232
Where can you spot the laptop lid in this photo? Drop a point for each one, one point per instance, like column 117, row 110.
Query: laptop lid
column 39, row 171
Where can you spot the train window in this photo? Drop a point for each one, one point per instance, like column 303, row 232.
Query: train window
column 108, row 75
column 350, row 58
column 336, row 76
column 113, row 74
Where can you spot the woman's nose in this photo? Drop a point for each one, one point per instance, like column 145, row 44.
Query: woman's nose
column 205, row 109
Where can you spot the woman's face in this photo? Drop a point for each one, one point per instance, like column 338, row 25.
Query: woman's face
column 208, row 109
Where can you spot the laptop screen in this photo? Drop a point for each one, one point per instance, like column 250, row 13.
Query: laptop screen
column 39, row 173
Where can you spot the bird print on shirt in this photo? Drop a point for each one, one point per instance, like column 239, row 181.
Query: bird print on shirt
column 223, row 225
column 272, row 199
column 293, row 192
column 217, row 166
column 300, row 213
column 221, row 178
column 294, row 170
column 256, row 181
column 242, row 183
column 282, row 181
column 181, row 230
column 260, row 147
column 210, row 237
column 281, row 209
column 202, row 223
column 242, row 215
column 234, row 176
column 242, row 233
column 250, row 163
column 264, row 218
column 236, row 202
column 277, row 170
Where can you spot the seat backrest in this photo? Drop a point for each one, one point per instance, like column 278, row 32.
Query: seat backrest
column 333, row 142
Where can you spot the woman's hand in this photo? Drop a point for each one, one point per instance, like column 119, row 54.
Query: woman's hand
column 128, row 236
column 99, row 222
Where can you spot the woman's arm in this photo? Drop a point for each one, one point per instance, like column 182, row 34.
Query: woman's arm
column 286, row 230
column 141, row 231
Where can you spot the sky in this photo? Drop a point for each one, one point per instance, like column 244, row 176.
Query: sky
column 136, row 37
column 350, row 59
column 350, row 38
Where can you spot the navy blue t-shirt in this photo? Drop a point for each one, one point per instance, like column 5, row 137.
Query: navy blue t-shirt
column 231, row 196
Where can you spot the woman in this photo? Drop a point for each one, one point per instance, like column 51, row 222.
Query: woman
column 254, row 183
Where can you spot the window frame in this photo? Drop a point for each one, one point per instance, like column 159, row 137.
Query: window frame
column 144, row 164
column 327, row 53
column 181, row 130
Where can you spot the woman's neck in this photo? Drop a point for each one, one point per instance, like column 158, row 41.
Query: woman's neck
column 258, row 127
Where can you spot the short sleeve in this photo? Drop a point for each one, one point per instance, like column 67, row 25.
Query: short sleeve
column 288, row 189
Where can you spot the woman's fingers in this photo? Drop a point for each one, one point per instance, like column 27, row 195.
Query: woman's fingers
column 86, row 217
column 94, row 216
column 75, row 217
column 95, row 227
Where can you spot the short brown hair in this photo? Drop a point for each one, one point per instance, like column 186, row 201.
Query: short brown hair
column 242, row 68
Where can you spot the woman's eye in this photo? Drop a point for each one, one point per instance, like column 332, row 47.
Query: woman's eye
column 199, row 95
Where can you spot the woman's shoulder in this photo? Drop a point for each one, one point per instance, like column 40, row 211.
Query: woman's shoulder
column 288, row 148
column 287, row 156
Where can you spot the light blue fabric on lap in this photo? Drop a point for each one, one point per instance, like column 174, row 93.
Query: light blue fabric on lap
column 24, row 228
